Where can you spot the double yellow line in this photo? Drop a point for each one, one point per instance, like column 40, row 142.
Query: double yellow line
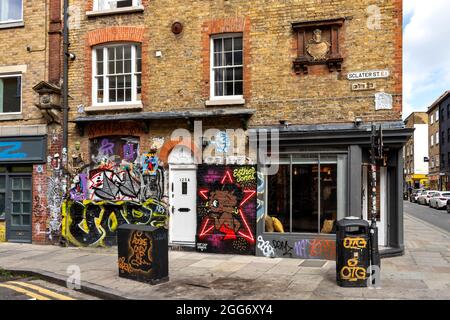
column 41, row 294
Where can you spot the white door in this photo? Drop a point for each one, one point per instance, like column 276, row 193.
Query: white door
column 183, row 197
column 381, row 221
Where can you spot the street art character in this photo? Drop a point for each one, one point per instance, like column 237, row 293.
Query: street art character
column 223, row 204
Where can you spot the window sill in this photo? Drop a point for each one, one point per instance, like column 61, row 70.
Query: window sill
column 5, row 117
column 8, row 25
column 122, row 107
column 107, row 12
column 225, row 102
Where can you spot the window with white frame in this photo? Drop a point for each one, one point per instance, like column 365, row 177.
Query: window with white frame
column 436, row 117
column 11, row 11
column 115, row 4
column 436, row 138
column 117, row 74
column 227, row 69
column 10, row 93
column 432, row 140
column 432, row 118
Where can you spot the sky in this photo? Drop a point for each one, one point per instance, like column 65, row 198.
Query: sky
column 426, row 53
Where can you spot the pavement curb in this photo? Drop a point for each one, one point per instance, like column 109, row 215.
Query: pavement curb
column 86, row 287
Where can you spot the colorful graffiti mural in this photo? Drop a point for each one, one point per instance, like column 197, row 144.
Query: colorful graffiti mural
column 226, row 209
column 2, row 231
column 111, row 191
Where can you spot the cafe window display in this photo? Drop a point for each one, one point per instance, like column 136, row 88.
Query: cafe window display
column 307, row 194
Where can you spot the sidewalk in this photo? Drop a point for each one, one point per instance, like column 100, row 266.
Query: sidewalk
column 422, row 273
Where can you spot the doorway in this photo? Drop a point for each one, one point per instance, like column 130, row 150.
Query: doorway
column 183, row 197
column 16, row 203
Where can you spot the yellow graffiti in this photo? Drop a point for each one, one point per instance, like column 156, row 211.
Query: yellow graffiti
column 2, row 232
column 112, row 222
column 352, row 272
column 244, row 174
column 355, row 243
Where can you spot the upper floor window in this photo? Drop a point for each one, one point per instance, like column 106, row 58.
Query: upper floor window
column 437, row 116
column 227, row 69
column 10, row 11
column 432, row 118
column 10, row 93
column 437, row 138
column 114, row 4
column 432, row 140
column 117, row 74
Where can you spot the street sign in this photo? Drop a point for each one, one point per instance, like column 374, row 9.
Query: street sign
column 371, row 74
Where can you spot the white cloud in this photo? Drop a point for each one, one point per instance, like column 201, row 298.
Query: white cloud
column 426, row 52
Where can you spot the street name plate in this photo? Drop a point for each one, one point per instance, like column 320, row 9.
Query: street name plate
column 370, row 74
column 363, row 86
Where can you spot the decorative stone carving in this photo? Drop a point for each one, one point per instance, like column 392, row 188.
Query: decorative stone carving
column 317, row 48
column 49, row 101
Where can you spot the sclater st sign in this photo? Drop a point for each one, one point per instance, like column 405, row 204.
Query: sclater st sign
column 371, row 74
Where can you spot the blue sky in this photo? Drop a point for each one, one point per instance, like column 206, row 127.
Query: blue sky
column 426, row 49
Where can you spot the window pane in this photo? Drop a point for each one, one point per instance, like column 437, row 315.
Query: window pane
column 127, row 81
column 228, row 44
column 127, row 94
column 112, row 95
column 238, row 88
column 218, row 88
column 127, row 52
column 2, row 205
column 26, row 207
column 217, row 45
column 2, row 182
column 138, row 80
column 229, row 89
column 218, row 59
column 16, row 208
column 278, row 196
column 218, row 74
column 127, row 66
column 124, row 3
column 26, row 195
column 238, row 73
column 238, row 57
column 10, row 94
column 238, row 43
column 10, row 10
column 26, row 183
column 16, row 184
column 228, row 58
column 119, row 53
column 111, row 67
column 16, row 220
column 119, row 66
column 17, row 196
column 328, row 198
column 26, row 220
column 304, row 198
column 229, row 74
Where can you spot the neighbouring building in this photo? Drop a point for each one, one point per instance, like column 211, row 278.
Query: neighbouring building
column 309, row 73
column 443, row 105
column 29, row 93
column 416, row 151
column 434, row 151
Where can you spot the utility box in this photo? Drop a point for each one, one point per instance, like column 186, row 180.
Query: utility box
column 352, row 252
column 143, row 253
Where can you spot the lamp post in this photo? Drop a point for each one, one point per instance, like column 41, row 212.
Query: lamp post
column 376, row 154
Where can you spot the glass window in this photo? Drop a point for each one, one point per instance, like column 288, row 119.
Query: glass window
column 117, row 78
column 10, row 11
column 114, row 4
column 227, row 66
column 308, row 194
column 10, row 94
column 2, row 196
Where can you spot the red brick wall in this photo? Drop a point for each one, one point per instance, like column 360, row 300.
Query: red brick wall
column 54, row 42
column 40, row 212
column 219, row 26
column 115, row 34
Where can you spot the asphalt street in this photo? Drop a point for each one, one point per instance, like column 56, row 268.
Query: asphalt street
column 438, row 218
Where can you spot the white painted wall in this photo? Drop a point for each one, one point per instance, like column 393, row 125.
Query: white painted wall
column 420, row 148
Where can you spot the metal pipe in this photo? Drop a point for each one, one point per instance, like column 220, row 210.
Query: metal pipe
column 65, row 85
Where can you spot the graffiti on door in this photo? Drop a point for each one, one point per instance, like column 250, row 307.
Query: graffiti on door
column 226, row 215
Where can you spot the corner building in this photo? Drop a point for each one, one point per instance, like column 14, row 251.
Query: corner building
column 319, row 73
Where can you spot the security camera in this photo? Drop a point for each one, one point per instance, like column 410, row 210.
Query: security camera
column 71, row 56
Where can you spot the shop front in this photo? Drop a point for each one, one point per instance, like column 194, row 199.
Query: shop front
column 322, row 177
column 22, row 164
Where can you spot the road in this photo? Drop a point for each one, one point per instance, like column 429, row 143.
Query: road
column 13, row 288
column 438, row 218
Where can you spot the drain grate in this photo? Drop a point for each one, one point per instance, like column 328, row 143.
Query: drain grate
column 313, row 263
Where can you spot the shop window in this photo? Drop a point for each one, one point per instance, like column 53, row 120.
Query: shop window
column 228, row 66
column 117, row 74
column 2, row 197
column 115, row 4
column 308, row 194
column 10, row 93
column 11, row 11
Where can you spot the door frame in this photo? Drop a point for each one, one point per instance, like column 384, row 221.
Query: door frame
column 8, row 196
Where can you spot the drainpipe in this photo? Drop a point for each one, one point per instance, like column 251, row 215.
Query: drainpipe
column 65, row 77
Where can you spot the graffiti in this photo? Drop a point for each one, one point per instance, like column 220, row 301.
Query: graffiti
column 352, row 272
column 355, row 243
column 266, row 248
column 245, row 174
column 129, row 153
column 89, row 223
column 78, row 190
column 7, row 150
column 315, row 249
column 113, row 128
column 39, row 209
column 149, row 163
column 226, row 211
column 2, row 232
column 260, row 210
column 222, row 142
column 107, row 147
column 283, row 246
column 141, row 248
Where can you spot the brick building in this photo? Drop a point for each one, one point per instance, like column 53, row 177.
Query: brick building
column 29, row 63
column 433, row 148
column 416, row 151
column 317, row 74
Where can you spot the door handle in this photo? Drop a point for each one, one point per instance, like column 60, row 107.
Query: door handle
column 184, row 210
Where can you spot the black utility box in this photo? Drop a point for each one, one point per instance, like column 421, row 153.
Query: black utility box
column 143, row 253
column 352, row 252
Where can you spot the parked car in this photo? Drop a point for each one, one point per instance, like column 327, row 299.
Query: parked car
column 439, row 199
column 425, row 196
column 415, row 194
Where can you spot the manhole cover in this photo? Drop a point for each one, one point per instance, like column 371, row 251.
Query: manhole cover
column 312, row 263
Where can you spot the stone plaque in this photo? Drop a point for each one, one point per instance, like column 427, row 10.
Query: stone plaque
column 383, row 101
